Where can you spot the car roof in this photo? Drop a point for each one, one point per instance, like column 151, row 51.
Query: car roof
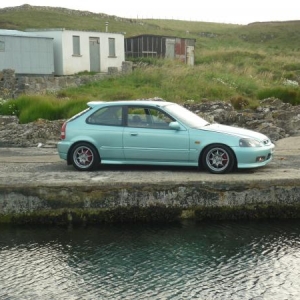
column 129, row 102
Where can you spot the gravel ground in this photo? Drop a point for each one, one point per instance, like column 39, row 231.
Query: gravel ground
column 42, row 165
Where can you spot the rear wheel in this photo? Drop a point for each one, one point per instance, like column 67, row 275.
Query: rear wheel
column 218, row 159
column 84, row 157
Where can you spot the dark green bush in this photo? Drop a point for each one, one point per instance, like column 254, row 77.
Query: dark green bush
column 286, row 94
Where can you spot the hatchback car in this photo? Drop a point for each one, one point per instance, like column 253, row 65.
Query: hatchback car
column 157, row 133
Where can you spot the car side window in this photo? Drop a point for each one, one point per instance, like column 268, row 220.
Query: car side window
column 147, row 118
column 111, row 115
column 136, row 117
column 159, row 119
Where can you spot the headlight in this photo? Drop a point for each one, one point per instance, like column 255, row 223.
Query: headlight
column 249, row 143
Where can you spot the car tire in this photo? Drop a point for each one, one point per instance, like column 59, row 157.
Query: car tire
column 218, row 159
column 84, row 157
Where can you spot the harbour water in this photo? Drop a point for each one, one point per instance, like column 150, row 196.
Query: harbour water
column 211, row 260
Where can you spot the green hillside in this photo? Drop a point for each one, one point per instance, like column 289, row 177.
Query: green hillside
column 277, row 35
column 240, row 63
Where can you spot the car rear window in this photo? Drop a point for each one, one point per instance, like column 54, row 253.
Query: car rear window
column 80, row 114
column 109, row 115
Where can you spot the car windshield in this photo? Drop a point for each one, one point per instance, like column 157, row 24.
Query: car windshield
column 185, row 116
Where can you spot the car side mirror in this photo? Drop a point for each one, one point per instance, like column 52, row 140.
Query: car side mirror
column 174, row 125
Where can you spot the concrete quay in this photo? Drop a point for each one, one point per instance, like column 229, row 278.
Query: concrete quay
column 36, row 186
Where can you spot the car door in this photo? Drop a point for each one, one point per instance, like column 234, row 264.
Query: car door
column 106, row 129
column 148, row 137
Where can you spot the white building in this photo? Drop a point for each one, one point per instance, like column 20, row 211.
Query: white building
column 79, row 51
column 26, row 53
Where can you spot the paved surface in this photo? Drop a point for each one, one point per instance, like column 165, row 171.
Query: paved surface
column 42, row 166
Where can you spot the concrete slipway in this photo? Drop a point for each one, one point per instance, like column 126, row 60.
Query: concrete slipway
column 37, row 187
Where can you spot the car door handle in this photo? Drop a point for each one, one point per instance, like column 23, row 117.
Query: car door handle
column 133, row 133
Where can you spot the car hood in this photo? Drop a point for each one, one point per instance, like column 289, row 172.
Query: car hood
column 237, row 131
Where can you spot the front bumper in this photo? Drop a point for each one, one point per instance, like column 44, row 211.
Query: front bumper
column 254, row 157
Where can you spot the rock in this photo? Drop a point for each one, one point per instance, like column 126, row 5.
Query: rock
column 4, row 120
column 42, row 133
column 272, row 117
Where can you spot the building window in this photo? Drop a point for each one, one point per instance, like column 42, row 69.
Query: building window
column 112, row 47
column 2, row 46
column 76, row 45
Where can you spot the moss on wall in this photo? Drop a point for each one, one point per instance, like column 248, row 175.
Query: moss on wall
column 134, row 214
column 152, row 214
column 248, row 212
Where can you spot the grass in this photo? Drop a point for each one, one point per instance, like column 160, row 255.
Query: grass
column 31, row 108
column 286, row 94
column 237, row 63
column 170, row 80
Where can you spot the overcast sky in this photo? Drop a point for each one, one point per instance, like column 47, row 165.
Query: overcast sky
column 219, row 11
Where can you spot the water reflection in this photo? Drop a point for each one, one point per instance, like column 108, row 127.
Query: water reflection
column 229, row 260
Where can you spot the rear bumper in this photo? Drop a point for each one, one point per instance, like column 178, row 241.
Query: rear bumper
column 63, row 149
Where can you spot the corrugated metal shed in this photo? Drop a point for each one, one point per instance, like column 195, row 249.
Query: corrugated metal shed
column 8, row 32
column 26, row 53
column 161, row 47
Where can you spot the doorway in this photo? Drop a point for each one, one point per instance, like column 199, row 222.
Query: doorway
column 94, row 54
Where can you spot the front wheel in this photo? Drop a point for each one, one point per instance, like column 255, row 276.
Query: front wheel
column 218, row 159
column 84, row 157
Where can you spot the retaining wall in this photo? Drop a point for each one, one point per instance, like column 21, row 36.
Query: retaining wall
column 149, row 202
column 13, row 85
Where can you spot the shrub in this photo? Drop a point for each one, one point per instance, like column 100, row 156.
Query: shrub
column 286, row 94
column 239, row 102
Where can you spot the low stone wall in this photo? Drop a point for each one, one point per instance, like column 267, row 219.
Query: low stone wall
column 12, row 85
column 94, row 204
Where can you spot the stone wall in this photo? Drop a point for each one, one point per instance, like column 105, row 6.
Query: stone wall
column 12, row 85
column 93, row 202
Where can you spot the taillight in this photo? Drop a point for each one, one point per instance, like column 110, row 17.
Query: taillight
column 63, row 131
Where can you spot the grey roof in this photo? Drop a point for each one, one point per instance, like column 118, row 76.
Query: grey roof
column 8, row 32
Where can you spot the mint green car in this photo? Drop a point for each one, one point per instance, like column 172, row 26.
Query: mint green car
column 157, row 133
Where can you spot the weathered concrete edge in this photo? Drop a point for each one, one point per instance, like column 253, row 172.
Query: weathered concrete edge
column 96, row 203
